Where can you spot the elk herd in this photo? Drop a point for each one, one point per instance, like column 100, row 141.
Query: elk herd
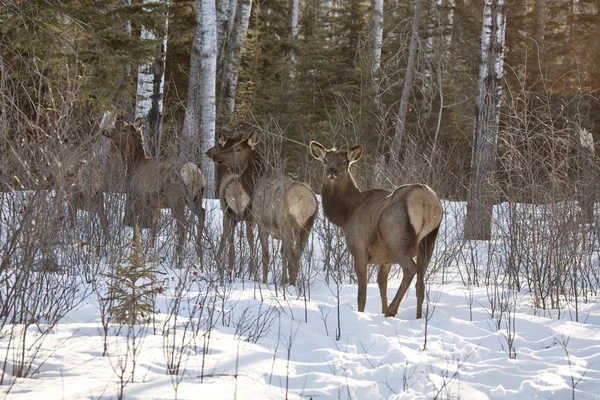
column 380, row 226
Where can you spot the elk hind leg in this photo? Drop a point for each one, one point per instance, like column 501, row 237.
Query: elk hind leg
column 382, row 281
column 409, row 269
column 263, row 237
column 423, row 257
column 201, row 214
column 180, row 220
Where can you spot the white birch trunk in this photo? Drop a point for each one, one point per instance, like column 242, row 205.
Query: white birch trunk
column 589, row 175
column 480, row 198
column 226, row 106
column 225, row 13
column 150, row 90
column 200, row 117
column 376, row 27
column 408, row 82
column 293, row 17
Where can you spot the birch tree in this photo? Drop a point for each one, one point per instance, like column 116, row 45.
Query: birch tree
column 589, row 175
column 293, row 18
column 409, row 77
column 226, row 106
column 150, row 88
column 487, row 112
column 200, row 117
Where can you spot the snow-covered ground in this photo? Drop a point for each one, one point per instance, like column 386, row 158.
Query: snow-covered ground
column 267, row 344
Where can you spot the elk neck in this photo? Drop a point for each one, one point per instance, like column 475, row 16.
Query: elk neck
column 252, row 172
column 340, row 198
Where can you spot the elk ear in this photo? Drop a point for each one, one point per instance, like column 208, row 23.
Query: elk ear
column 318, row 151
column 253, row 140
column 138, row 124
column 221, row 140
column 355, row 153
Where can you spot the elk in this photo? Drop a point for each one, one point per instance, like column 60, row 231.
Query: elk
column 281, row 208
column 380, row 227
column 156, row 184
column 84, row 190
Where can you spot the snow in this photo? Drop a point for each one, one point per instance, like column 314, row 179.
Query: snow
column 267, row 343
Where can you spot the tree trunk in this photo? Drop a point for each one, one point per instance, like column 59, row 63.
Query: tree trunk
column 408, row 82
column 293, row 18
column 200, row 117
column 150, row 90
column 589, row 175
column 226, row 106
column 226, row 11
column 487, row 111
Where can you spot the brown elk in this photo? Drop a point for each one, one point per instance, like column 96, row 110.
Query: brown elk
column 156, row 184
column 84, row 184
column 282, row 208
column 380, row 227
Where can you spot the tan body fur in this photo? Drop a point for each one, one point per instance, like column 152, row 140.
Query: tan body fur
column 380, row 227
column 285, row 210
column 281, row 208
column 157, row 184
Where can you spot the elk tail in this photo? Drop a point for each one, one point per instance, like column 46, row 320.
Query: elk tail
column 193, row 180
column 426, row 247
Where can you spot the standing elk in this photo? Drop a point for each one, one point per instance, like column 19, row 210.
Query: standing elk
column 281, row 208
column 156, row 184
column 380, row 227
column 84, row 186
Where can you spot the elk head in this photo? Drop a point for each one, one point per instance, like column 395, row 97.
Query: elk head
column 336, row 163
column 129, row 139
column 234, row 153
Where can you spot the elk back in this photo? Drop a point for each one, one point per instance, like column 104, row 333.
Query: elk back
column 280, row 202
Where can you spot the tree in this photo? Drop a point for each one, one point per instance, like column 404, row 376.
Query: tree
column 487, row 113
column 293, row 15
column 150, row 87
column 229, row 80
column 408, row 82
column 200, row 117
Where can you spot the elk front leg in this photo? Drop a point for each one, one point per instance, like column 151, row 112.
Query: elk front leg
column 154, row 225
column 180, row 220
column 360, row 266
column 250, row 237
column 382, row 281
column 201, row 214
column 264, row 247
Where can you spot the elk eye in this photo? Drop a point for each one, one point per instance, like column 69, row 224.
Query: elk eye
column 237, row 149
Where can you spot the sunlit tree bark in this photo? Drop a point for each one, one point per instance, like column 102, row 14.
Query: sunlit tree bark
column 480, row 198
column 150, row 89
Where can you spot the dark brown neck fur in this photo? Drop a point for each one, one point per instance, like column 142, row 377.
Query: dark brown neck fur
column 339, row 199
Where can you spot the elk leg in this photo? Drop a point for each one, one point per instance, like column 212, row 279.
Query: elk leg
column 409, row 269
column 154, row 225
column 179, row 216
column 250, row 237
column 360, row 266
column 231, row 244
column 420, row 289
column 135, row 219
column 99, row 205
column 382, row 281
column 285, row 264
column 72, row 211
column 201, row 214
column 264, row 246
column 224, row 234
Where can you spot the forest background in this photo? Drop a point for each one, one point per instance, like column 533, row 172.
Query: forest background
column 402, row 78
